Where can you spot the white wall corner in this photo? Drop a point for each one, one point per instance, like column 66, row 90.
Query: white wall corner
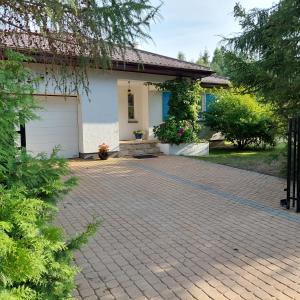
column 100, row 113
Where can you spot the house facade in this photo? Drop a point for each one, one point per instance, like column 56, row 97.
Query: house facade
column 118, row 103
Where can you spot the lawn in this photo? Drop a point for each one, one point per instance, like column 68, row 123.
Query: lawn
column 271, row 161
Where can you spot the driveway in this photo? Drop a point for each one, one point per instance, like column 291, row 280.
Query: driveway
column 179, row 228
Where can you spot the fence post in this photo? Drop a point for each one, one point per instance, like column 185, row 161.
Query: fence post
column 298, row 166
column 288, row 187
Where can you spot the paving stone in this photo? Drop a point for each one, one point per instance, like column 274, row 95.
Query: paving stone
column 180, row 228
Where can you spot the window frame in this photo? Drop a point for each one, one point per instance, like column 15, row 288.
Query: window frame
column 131, row 107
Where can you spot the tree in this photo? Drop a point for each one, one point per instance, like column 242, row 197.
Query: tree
column 218, row 63
column 203, row 59
column 264, row 58
column 181, row 56
column 16, row 105
column 74, row 34
column 241, row 119
column 36, row 258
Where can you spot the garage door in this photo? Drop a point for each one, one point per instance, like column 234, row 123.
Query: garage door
column 58, row 125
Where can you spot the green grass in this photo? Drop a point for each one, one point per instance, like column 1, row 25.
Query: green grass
column 271, row 161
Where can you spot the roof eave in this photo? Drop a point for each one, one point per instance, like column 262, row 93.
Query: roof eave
column 213, row 85
column 160, row 70
column 126, row 66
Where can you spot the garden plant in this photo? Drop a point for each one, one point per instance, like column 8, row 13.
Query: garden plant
column 36, row 258
column 241, row 119
column 182, row 125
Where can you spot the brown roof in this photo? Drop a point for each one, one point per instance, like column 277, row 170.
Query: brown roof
column 215, row 79
column 131, row 61
column 147, row 62
column 149, row 58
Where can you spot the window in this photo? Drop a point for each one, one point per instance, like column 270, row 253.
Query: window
column 165, row 105
column 207, row 99
column 130, row 105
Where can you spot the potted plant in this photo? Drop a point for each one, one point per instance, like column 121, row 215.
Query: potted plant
column 103, row 151
column 138, row 134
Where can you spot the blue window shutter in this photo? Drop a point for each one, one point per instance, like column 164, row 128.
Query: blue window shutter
column 209, row 99
column 165, row 105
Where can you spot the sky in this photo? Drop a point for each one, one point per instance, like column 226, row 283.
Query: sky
column 191, row 26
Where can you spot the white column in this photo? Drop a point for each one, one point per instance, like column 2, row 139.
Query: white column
column 145, row 110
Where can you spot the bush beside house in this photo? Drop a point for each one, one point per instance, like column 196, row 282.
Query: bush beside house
column 175, row 132
column 36, row 260
column 181, row 126
column 241, row 119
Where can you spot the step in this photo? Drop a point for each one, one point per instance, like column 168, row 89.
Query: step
column 134, row 148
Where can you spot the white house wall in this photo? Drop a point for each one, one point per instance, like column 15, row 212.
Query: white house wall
column 155, row 111
column 98, row 113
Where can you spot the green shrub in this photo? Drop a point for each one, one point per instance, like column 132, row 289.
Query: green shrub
column 175, row 132
column 182, row 125
column 241, row 119
column 42, row 175
column 17, row 104
column 36, row 260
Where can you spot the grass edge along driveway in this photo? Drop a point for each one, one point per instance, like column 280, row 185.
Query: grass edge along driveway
column 269, row 161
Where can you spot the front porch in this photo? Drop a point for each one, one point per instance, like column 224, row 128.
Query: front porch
column 139, row 108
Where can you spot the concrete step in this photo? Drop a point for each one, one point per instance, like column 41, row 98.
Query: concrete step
column 138, row 148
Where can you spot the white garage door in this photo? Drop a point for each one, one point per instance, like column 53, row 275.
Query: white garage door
column 57, row 125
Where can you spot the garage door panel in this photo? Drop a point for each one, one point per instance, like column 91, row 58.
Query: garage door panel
column 60, row 108
column 40, row 148
column 54, row 122
column 58, row 125
column 37, row 132
column 53, row 139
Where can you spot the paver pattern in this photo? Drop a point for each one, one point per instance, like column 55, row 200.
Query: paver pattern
column 179, row 228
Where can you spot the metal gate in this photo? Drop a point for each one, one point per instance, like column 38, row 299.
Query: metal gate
column 293, row 166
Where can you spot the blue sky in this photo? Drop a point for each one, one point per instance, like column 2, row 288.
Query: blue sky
column 193, row 25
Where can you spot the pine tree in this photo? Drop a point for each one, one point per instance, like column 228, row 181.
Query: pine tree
column 36, row 259
column 264, row 57
column 203, row 59
column 218, row 63
column 78, row 34
column 181, row 56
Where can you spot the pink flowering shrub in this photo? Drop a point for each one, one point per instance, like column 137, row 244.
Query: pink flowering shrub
column 175, row 132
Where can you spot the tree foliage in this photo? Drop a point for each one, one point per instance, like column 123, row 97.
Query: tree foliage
column 241, row 119
column 265, row 57
column 36, row 260
column 218, row 62
column 182, row 125
column 184, row 103
column 16, row 104
column 175, row 132
column 181, row 56
column 75, row 33
column 203, row 59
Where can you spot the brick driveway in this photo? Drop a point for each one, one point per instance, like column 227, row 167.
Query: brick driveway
column 179, row 228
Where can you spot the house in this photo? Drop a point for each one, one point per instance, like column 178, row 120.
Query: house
column 119, row 102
